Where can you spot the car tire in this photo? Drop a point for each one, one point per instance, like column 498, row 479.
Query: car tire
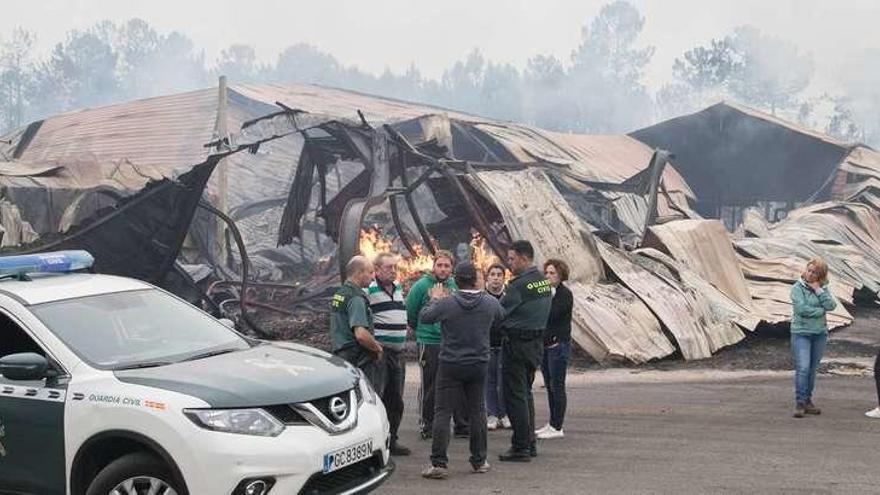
column 140, row 465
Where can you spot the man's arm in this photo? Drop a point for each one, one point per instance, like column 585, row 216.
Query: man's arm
column 360, row 325
column 510, row 300
column 432, row 312
column 498, row 316
column 366, row 340
column 414, row 300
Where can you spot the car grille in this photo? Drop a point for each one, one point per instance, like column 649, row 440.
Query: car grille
column 318, row 412
column 286, row 415
column 344, row 479
column 323, row 405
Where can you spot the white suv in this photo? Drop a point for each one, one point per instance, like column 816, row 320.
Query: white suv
column 112, row 386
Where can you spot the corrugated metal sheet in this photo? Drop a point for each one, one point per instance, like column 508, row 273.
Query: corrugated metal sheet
column 772, row 119
column 786, row 271
column 163, row 132
column 678, row 309
column 533, row 209
column 609, row 321
column 734, row 155
column 704, row 246
column 846, row 235
column 598, row 158
column 772, row 301
column 341, row 103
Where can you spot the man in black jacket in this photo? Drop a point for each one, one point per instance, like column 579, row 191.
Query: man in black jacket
column 465, row 318
column 526, row 309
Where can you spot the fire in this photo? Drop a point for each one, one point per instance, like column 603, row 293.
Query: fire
column 482, row 255
column 373, row 242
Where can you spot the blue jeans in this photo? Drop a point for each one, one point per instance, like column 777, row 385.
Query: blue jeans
column 807, row 350
column 554, row 367
column 494, row 391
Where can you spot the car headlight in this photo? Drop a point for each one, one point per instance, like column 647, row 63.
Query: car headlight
column 367, row 391
column 243, row 421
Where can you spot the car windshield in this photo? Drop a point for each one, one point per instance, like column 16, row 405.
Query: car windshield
column 136, row 329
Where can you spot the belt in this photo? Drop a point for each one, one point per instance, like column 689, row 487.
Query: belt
column 347, row 347
column 520, row 334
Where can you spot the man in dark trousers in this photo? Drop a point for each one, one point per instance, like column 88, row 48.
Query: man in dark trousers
column 428, row 339
column 389, row 321
column 465, row 318
column 526, row 309
column 351, row 321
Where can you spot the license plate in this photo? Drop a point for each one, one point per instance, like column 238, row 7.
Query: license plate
column 347, row 456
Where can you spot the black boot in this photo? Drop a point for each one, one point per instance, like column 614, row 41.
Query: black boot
column 398, row 450
column 515, row 456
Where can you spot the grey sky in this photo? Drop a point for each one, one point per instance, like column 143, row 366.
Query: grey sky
column 393, row 33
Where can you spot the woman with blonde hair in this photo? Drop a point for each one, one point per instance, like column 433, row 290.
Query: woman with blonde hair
column 810, row 301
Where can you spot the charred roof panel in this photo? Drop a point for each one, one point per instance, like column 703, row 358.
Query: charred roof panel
column 732, row 155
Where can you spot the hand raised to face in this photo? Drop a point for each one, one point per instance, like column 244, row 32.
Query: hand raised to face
column 438, row 292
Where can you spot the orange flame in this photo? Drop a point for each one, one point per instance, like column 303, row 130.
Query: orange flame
column 372, row 242
column 482, row 255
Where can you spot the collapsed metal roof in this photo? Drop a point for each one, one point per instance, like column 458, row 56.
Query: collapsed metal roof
column 303, row 168
column 734, row 155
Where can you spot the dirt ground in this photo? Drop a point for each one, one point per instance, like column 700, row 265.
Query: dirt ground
column 720, row 425
column 848, row 348
column 676, row 432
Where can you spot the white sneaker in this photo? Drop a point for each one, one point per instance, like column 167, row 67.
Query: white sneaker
column 550, row 433
column 543, row 429
column 505, row 423
column 492, row 423
column 873, row 413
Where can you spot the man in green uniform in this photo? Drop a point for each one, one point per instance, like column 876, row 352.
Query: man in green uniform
column 526, row 307
column 351, row 321
column 428, row 339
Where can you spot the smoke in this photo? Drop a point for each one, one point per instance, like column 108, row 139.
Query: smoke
column 598, row 84
column 860, row 95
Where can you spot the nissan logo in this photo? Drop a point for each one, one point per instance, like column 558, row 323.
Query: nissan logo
column 338, row 408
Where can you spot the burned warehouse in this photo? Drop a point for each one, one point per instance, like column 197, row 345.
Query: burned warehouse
column 683, row 237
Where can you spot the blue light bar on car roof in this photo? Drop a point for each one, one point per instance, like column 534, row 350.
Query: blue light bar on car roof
column 54, row 262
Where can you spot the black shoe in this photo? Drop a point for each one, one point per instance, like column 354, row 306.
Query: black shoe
column 533, row 451
column 514, row 456
column 399, row 450
column 462, row 434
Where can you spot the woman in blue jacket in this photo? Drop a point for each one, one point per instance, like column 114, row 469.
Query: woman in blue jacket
column 810, row 301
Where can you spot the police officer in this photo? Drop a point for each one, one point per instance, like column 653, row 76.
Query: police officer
column 526, row 309
column 351, row 321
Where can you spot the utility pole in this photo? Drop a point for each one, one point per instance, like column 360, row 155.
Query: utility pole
column 220, row 128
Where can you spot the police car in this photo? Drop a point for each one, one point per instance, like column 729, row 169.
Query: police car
column 111, row 386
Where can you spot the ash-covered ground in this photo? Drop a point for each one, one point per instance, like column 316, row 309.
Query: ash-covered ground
column 850, row 349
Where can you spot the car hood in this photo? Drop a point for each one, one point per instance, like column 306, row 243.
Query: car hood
column 264, row 375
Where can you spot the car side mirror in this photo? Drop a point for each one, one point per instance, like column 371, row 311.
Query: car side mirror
column 24, row 366
column 227, row 323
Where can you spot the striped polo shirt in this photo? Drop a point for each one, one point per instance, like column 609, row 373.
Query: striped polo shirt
column 389, row 315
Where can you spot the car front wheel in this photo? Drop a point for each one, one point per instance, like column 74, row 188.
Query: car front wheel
column 135, row 474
